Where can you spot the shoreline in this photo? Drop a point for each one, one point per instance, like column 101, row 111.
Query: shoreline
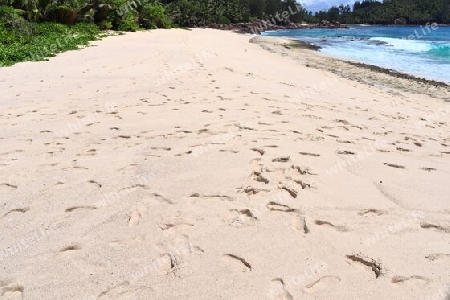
column 249, row 28
column 356, row 71
column 299, row 44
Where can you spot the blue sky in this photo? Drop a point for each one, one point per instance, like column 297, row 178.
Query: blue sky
column 316, row 5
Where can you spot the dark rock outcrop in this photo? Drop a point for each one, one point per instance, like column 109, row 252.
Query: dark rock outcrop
column 260, row 26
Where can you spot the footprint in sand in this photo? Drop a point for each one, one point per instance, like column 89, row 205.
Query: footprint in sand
column 259, row 178
column 10, row 290
column 161, row 148
column 212, row 196
column 166, row 263
column 91, row 152
column 299, row 224
column 394, row 166
column 117, row 291
column 300, row 170
column 429, row 169
column 133, row 219
column 8, row 186
column 260, row 151
column 230, row 151
column 303, row 184
column 278, row 290
column 174, row 225
column 344, row 142
column 293, row 193
column 345, row 152
column 274, row 206
column 95, row 183
column 437, row 256
column 184, row 153
column 134, row 187
column 282, row 159
column 437, row 227
column 249, row 190
column 322, row 283
column 123, row 137
column 237, row 262
column 414, row 280
column 372, row 212
column 403, row 149
column 240, row 218
column 162, row 199
column 367, row 263
column 329, row 224
column 17, row 210
column 70, row 248
column 309, row 154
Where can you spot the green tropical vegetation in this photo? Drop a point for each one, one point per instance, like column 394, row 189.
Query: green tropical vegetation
column 389, row 12
column 135, row 14
column 22, row 40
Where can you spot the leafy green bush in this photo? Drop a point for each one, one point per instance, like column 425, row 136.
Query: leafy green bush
column 121, row 14
column 105, row 25
column 10, row 13
column 48, row 40
column 153, row 15
column 224, row 20
column 188, row 13
column 128, row 22
column 13, row 19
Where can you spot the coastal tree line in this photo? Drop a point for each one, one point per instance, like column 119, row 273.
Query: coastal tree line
column 386, row 12
column 134, row 14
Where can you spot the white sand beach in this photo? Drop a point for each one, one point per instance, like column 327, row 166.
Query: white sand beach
column 193, row 164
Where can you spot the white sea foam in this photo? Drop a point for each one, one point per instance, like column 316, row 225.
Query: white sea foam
column 407, row 45
column 427, row 56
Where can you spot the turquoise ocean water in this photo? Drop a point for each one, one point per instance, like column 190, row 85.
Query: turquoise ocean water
column 419, row 50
